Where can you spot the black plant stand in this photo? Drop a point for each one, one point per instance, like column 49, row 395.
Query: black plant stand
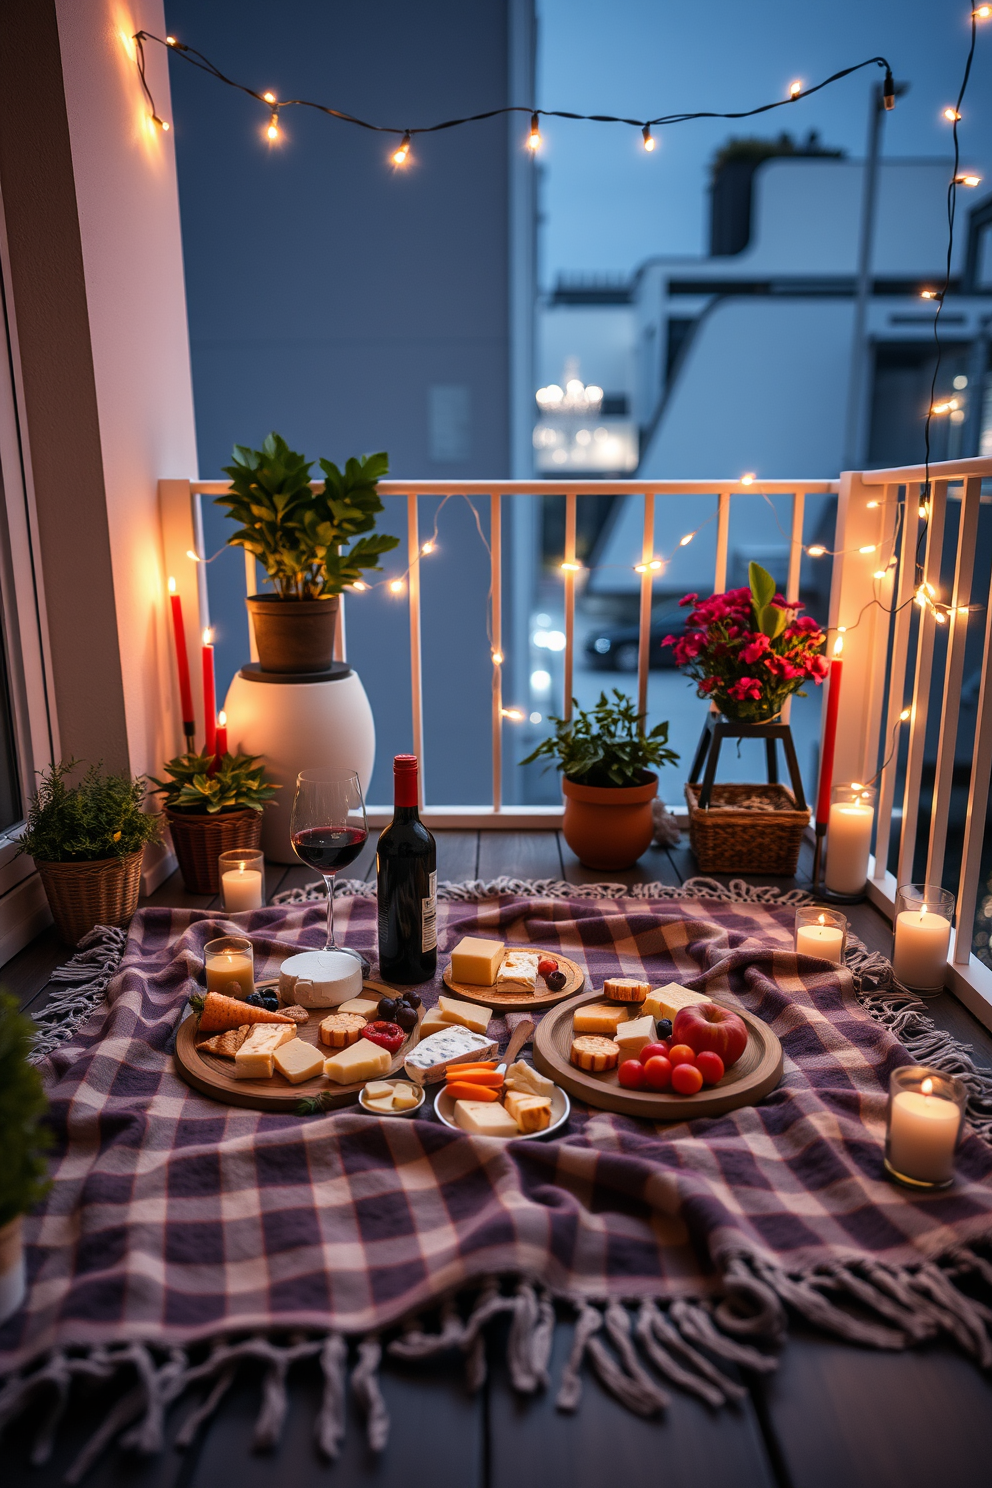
column 717, row 728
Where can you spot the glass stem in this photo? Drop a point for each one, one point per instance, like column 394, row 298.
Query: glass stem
column 329, row 885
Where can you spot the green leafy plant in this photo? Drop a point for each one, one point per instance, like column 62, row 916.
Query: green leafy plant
column 300, row 536
column 238, row 782
column 98, row 817
column 607, row 746
column 23, row 1137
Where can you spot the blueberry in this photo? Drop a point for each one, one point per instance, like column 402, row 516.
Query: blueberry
column 270, row 1001
column 555, row 980
column 255, row 999
column 664, row 1027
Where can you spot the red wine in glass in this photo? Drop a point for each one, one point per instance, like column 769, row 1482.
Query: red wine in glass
column 328, row 850
column 328, row 829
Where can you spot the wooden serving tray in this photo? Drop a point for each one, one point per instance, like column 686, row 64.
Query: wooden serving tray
column 518, row 1002
column 213, row 1075
column 757, row 1072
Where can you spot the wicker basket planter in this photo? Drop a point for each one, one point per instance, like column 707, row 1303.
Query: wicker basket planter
column 81, row 895
column 730, row 838
column 199, row 839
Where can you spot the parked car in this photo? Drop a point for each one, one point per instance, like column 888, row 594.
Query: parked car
column 615, row 648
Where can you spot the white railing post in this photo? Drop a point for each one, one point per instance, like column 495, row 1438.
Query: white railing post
column 970, row 881
column 569, row 571
column 496, row 555
column 251, row 588
column 722, row 541
column 795, row 567
column 921, row 685
column 902, row 620
column 647, row 580
column 416, row 672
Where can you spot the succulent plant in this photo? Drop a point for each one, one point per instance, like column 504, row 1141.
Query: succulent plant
column 237, row 782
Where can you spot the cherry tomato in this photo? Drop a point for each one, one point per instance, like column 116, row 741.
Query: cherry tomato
column 651, row 1050
column 687, row 1079
column 710, row 1066
column 631, row 1074
column 658, row 1073
column 681, row 1054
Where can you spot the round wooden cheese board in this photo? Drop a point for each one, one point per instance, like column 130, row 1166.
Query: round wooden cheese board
column 519, row 1002
column 213, row 1075
column 755, row 1074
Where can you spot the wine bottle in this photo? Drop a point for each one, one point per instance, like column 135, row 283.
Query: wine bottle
column 406, row 876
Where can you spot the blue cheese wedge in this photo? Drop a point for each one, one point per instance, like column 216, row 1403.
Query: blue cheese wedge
column 428, row 1060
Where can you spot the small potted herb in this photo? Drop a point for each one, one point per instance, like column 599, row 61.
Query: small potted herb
column 212, row 807
column 604, row 757
column 87, row 841
column 312, row 545
column 23, row 1139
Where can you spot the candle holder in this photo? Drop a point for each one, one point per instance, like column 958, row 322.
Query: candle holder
column 923, row 1126
column 849, row 831
column 230, row 959
column 922, row 928
column 241, row 875
column 821, row 932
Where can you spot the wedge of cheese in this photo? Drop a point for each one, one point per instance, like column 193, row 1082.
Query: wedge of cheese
column 432, row 1021
column 532, row 1113
column 476, row 961
column 483, row 1119
column 427, row 1061
column 518, row 972
column 665, row 1002
column 360, row 1061
column 266, row 1038
column 631, row 1037
column 464, row 1013
column 298, row 1061
column 599, row 1017
column 252, row 1066
column 366, row 1006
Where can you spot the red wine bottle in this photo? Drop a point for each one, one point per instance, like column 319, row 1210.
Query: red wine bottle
column 406, row 876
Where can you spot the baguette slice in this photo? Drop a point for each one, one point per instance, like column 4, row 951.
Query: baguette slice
column 227, row 1043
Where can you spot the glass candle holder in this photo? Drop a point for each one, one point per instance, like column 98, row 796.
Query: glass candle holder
column 821, row 932
column 849, row 828
column 922, row 1126
column 241, row 875
column 923, row 931
column 230, row 959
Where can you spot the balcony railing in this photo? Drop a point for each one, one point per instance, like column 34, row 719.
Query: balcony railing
column 889, row 649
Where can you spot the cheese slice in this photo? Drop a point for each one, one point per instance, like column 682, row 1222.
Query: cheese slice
column 298, row 1061
column 665, row 1002
column 599, row 1017
column 525, row 1078
column 266, row 1038
column 465, row 1013
column 532, row 1113
column 252, row 1066
column 367, row 1006
column 405, row 1095
column 432, row 1021
column 485, row 1119
column 379, row 1090
column 427, row 1061
column 518, row 972
column 361, row 1061
column 631, row 1036
column 476, row 961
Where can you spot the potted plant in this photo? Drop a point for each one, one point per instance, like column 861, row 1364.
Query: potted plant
column 86, row 841
column 309, row 543
column 212, row 806
column 604, row 757
column 23, row 1140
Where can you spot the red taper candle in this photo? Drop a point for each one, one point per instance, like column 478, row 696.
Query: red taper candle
column 829, row 735
column 209, row 694
column 220, row 747
column 182, row 663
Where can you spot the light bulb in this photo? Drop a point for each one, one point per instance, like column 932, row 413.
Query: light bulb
column 396, row 586
column 982, row 13
column 269, row 97
column 427, row 548
column 649, row 139
column 951, row 115
column 195, row 556
column 402, row 155
column 795, row 89
column 816, row 551
column 748, row 478
column 928, row 294
column 968, row 180
column 359, row 587
column 940, row 617
column 497, row 658
column 685, row 541
column 869, row 548
column 171, row 41
column 655, row 563
column 534, row 138
column 272, row 132
column 514, row 714
column 879, row 573
column 905, row 715
column 160, row 123
column 571, row 568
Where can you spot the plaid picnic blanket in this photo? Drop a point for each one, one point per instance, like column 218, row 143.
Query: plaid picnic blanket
column 181, row 1236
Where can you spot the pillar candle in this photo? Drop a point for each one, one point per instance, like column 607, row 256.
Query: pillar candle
column 182, row 662
column 825, row 941
column 922, row 938
column 923, row 1133
column 242, row 889
column 848, row 847
column 220, row 745
column 829, row 742
column 209, row 694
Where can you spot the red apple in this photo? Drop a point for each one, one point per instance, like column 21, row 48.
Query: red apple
column 706, row 1025
column 686, row 1079
column 710, row 1066
column 682, row 1054
column 657, row 1073
column 631, row 1074
column 650, row 1050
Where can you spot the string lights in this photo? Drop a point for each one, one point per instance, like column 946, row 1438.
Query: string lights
column 400, row 156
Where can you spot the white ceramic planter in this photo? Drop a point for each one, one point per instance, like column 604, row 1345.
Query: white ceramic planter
column 298, row 725
column 13, row 1281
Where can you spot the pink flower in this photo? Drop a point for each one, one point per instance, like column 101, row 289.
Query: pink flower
column 688, row 599
column 818, row 667
column 756, row 650
column 744, row 688
column 780, row 666
column 707, row 684
column 803, row 623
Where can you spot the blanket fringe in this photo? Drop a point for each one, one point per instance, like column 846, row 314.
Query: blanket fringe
column 86, row 975
column 473, row 890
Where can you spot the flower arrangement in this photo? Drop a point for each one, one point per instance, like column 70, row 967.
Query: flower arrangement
column 749, row 649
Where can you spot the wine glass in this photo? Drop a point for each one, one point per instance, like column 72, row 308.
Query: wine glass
column 328, row 828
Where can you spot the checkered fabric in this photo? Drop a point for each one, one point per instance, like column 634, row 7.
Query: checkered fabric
column 173, row 1218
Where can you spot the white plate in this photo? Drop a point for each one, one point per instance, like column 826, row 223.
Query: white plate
column 410, row 1110
column 561, row 1106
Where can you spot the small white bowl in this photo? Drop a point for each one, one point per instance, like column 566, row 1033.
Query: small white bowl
column 410, row 1110
column 561, row 1107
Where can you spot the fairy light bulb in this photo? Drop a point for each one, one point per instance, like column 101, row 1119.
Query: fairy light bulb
column 968, row 180
column 868, row 548
column 195, row 556
column 170, row 41
column 649, row 139
column 401, row 155
column 158, row 123
column 905, row 715
column 747, row 479
column 396, row 586
column 685, row 541
column 816, row 551
column 872, row 505
column 534, row 138
column 928, row 294
column 272, row 133
column 359, row 587
column 571, row 567
column 795, row 89
column 951, row 115
column 497, row 658
column 982, row 13
column 427, row 549
column 269, row 97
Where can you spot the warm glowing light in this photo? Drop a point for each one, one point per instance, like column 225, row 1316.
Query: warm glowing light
column 359, row 587
column 685, row 541
column 905, row 714
column 964, row 609
column 879, row 573
column 534, row 138
column 272, row 132
column 982, row 13
column 195, row 556
column 951, row 115
column 172, row 585
column 401, row 155
column 640, row 568
column 269, row 97
column 795, row 89
column 222, row 720
column 928, row 294
column 748, row 478
column 816, row 551
column 838, row 645
column 930, row 590
column 497, row 658
column 208, row 637
column 514, row 714
column 396, row 586
column 655, row 564
column 872, row 505
column 940, row 617
column 842, row 630
column 571, row 568
column 427, row 548
column 923, row 512
column 170, row 41
column 649, row 139
column 164, row 125
column 968, row 180
column 869, row 548
column 927, row 1085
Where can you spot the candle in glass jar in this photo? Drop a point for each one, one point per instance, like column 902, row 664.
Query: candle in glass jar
column 242, row 889
column 820, row 939
column 923, row 1133
column 224, row 967
column 848, row 847
column 922, row 938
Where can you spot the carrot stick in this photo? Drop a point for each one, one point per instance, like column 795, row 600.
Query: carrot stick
column 475, row 1077
column 219, row 1012
column 463, row 1090
column 482, row 1064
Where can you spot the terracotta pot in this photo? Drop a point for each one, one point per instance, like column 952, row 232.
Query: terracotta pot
column 294, row 635
column 13, row 1285
column 608, row 826
column 101, row 892
column 199, row 839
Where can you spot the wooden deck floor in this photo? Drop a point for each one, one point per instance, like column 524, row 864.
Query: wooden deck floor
column 832, row 1416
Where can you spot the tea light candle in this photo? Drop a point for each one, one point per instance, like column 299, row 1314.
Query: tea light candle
column 923, row 1133
column 849, row 840
column 241, row 889
column 224, row 967
column 820, row 939
column 922, row 938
